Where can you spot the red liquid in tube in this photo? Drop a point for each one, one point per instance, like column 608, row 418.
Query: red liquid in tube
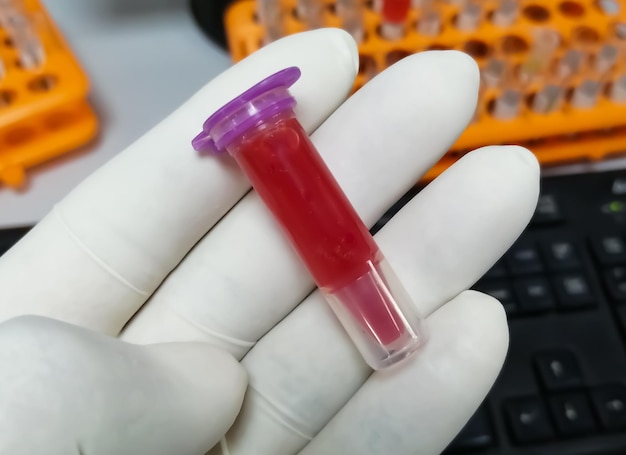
column 260, row 131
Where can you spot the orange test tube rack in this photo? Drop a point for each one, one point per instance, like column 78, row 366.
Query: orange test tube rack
column 43, row 107
column 564, row 135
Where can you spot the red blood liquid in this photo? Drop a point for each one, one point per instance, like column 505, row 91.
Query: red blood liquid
column 292, row 179
column 395, row 10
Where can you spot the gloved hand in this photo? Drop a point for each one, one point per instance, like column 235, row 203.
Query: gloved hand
column 149, row 281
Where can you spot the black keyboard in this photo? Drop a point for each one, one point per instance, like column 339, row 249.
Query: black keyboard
column 563, row 285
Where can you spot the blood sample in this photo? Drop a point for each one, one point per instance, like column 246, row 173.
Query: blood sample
column 394, row 14
column 260, row 131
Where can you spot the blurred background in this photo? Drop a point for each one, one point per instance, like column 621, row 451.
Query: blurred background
column 81, row 80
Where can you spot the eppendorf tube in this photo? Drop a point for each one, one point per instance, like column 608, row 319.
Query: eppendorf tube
column 351, row 14
column 506, row 13
column 260, row 131
column 429, row 22
column 545, row 44
column 312, row 13
column 470, row 16
column 394, row 15
column 272, row 17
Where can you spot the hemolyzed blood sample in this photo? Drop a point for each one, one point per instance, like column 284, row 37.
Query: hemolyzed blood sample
column 260, row 131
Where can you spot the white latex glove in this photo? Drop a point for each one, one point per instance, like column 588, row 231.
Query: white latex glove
column 162, row 261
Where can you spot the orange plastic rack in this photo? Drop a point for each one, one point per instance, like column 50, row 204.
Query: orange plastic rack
column 43, row 111
column 567, row 134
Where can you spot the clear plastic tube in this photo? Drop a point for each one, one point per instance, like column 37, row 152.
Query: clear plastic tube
column 545, row 44
column 494, row 72
column 569, row 64
column 586, row 95
column 312, row 13
column 470, row 16
column 548, row 99
column 507, row 106
column 260, row 131
column 272, row 17
column 394, row 16
column 606, row 58
column 429, row 21
column 13, row 18
column 351, row 14
column 617, row 93
column 506, row 13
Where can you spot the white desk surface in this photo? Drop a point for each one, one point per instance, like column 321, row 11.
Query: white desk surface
column 144, row 58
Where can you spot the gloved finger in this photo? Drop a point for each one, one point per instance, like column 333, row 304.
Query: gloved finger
column 66, row 390
column 422, row 404
column 305, row 368
column 105, row 248
column 377, row 144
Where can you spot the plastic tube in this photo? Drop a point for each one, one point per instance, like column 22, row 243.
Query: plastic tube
column 271, row 17
column 470, row 16
column 429, row 21
column 260, row 131
column 394, row 14
column 311, row 13
column 351, row 14
column 506, row 13
column 545, row 44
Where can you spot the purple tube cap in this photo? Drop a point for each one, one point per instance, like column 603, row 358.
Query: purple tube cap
column 212, row 140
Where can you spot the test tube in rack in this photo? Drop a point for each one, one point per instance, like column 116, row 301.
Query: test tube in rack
column 545, row 43
column 311, row 12
column 271, row 16
column 470, row 16
column 551, row 96
column 30, row 50
column 505, row 13
column 394, row 14
column 429, row 21
column 351, row 14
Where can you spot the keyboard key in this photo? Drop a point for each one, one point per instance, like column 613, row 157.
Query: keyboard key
column 562, row 255
column 533, row 295
column 524, row 259
column 609, row 249
column 558, row 370
column 573, row 291
column 547, row 211
column 572, row 414
column 528, row 420
column 610, row 404
column 615, row 279
column 502, row 291
column 477, row 433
